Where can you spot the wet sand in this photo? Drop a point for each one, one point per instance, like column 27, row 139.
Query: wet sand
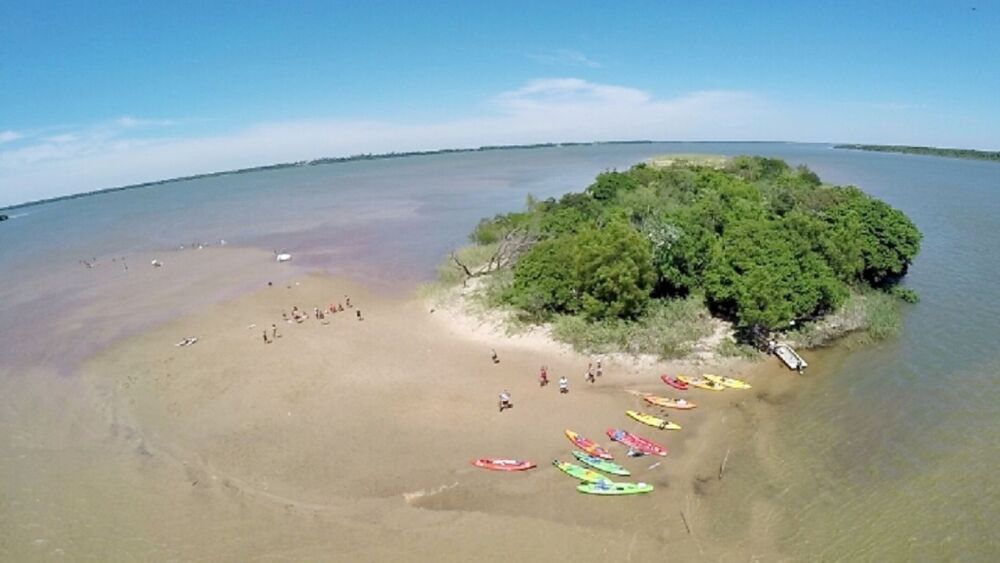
column 352, row 441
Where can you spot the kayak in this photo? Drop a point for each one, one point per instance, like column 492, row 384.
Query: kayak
column 727, row 381
column 588, row 446
column 682, row 404
column 503, row 464
column 635, row 442
column 577, row 472
column 674, row 382
column 654, row 421
column 602, row 464
column 614, row 489
column 702, row 383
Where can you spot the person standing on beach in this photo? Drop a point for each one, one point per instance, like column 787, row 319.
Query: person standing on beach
column 505, row 400
column 266, row 341
column 563, row 385
column 274, row 331
column 543, row 377
column 359, row 315
column 496, row 359
column 600, row 371
column 590, row 373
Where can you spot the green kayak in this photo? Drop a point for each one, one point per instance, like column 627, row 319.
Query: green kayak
column 602, row 464
column 608, row 488
column 577, row 472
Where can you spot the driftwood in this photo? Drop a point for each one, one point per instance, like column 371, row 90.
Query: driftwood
column 508, row 250
column 684, row 518
column 722, row 467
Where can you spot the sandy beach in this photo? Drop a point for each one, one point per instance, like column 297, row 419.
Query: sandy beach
column 352, row 440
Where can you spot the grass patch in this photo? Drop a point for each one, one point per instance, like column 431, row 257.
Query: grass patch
column 731, row 349
column 669, row 329
column 873, row 312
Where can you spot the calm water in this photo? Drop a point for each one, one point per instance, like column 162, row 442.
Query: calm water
column 886, row 453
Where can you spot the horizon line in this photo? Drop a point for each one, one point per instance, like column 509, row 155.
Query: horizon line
column 375, row 156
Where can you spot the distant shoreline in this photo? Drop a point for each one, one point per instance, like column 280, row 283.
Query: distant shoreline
column 967, row 154
column 319, row 162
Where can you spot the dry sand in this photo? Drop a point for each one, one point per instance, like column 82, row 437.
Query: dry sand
column 352, row 440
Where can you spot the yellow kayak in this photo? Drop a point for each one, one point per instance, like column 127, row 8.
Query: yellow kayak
column 727, row 381
column 701, row 383
column 665, row 402
column 654, row 421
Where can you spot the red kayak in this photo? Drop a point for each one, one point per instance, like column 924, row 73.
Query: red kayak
column 503, row 464
column 639, row 443
column 674, row 382
column 588, row 446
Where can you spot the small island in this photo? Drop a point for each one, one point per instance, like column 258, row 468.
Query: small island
column 927, row 151
column 686, row 253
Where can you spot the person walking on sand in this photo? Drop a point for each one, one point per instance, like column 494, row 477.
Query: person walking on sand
column 600, row 371
column 590, row 374
column 359, row 315
column 505, row 400
column 496, row 359
column 347, row 301
column 266, row 341
column 543, row 377
column 274, row 331
column 563, row 385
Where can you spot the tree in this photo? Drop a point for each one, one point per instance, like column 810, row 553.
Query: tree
column 614, row 271
column 602, row 273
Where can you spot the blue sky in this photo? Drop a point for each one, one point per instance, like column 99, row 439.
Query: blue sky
column 97, row 94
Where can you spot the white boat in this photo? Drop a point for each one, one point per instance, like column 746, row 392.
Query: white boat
column 285, row 257
column 790, row 357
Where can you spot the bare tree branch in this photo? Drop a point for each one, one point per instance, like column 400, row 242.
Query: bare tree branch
column 513, row 244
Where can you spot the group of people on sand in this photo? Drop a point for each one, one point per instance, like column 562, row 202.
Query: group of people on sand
column 298, row 316
column 543, row 380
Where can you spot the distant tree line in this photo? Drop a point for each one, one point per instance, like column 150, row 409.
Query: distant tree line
column 320, row 162
column 929, row 151
column 764, row 243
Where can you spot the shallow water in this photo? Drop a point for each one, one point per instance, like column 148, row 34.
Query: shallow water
column 883, row 452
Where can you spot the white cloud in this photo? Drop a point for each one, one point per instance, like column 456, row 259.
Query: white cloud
column 129, row 122
column 7, row 136
column 566, row 57
column 544, row 110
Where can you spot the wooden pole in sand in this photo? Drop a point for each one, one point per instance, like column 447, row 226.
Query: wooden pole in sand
column 722, row 467
column 684, row 518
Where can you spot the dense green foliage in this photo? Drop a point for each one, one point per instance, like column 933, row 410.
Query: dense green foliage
column 929, row 151
column 763, row 243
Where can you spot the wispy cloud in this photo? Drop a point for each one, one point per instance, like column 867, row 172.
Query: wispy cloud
column 892, row 106
column 131, row 150
column 544, row 110
column 7, row 136
column 129, row 122
column 564, row 57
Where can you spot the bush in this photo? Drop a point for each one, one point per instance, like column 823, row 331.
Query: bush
column 905, row 293
column 669, row 329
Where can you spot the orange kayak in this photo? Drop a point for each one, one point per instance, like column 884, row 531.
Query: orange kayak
column 502, row 464
column 588, row 446
column 666, row 402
